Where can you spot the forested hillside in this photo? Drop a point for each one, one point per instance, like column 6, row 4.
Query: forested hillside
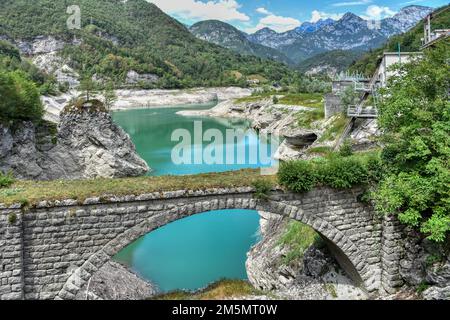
column 330, row 62
column 120, row 36
column 19, row 87
column 409, row 41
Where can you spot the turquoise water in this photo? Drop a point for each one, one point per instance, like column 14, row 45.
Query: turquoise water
column 193, row 252
column 151, row 131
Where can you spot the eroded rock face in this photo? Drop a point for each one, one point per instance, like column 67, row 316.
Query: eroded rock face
column 425, row 263
column 115, row 282
column 300, row 137
column 40, row 45
column 87, row 145
column 365, row 135
column 133, row 77
column 438, row 275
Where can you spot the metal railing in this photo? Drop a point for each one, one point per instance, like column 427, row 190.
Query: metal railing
column 362, row 112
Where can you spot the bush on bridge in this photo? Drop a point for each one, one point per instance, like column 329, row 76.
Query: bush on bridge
column 335, row 171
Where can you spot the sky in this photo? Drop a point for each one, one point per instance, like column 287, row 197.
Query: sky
column 281, row 15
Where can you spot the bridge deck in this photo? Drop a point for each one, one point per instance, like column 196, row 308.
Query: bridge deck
column 79, row 190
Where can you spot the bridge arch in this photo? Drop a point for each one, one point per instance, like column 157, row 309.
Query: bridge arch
column 344, row 236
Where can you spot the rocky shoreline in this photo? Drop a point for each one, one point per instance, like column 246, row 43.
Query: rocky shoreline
column 268, row 118
column 283, row 121
column 147, row 99
column 114, row 281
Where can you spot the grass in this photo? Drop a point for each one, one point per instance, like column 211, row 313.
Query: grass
column 298, row 237
column 331, row 289
column 306, row 118
column 217, row 291
column 311, row 100
column 32, row 192
column 256, row 96
column 322, row 150
column 335, row 129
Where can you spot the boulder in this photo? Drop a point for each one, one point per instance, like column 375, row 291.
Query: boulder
column 300, row 137
column 115, row 282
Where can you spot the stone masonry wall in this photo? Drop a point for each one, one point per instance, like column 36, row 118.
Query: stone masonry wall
column 52, row 250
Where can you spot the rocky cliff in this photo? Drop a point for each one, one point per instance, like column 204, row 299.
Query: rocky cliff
column 86, row 144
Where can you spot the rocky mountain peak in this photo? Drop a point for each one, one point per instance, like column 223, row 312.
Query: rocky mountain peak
column 413, row 12
column 265, row 31
column 308, row 27
column 350, row 18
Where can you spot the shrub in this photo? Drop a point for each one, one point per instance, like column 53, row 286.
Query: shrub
column 6, row 180
column 375, row 168
column 298, row 176
column 275, row 100
column 262, row 189
column 334, row 171
column 346, row 149
column 342, row 173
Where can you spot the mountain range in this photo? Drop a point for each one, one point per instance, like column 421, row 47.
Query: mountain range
column 122, row 37
column 350, row 32
column 227, row 36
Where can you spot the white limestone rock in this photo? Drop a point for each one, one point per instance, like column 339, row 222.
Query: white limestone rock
column 87, row 145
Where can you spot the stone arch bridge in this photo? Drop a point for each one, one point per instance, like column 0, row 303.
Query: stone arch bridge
column 52, row 250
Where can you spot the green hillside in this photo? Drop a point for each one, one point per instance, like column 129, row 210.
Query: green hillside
column 338, row 60
column 409, row 42
column 149, row 41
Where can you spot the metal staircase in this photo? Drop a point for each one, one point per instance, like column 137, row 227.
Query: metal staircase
column 361, row 110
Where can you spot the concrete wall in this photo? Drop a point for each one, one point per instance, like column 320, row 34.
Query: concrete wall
column 333, row 105
column 52, row 250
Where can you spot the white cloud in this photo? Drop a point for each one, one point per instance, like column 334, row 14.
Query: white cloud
column 411, row 2
column 225, row 10
column 277, row 23
column 375, row 12
column 263, row 11
column 351, row 3
column 317, row 15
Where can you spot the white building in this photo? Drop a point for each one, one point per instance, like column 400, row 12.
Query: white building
column 389, row 59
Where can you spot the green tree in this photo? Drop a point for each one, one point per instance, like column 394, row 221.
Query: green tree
column 109, row 95
column 20, row 99
column 87, row 88
column 415, row 119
